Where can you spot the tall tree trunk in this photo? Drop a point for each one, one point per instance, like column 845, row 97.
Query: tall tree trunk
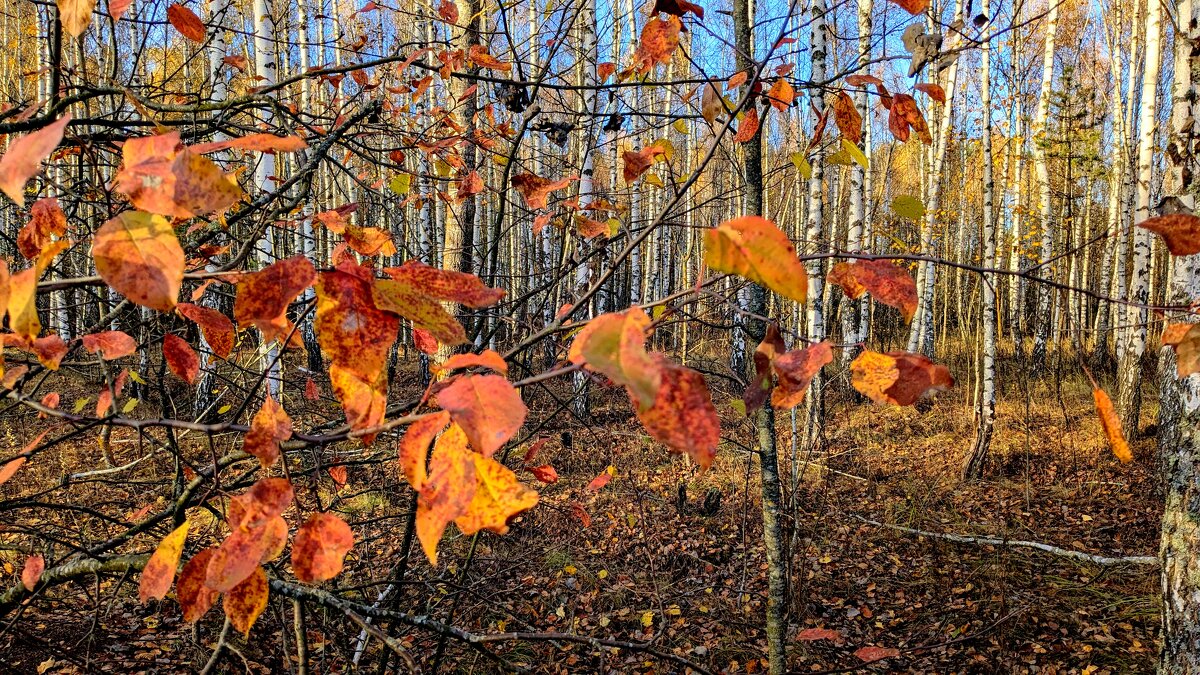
column 1042, row 169
column 776, row 620
column 1129, row 394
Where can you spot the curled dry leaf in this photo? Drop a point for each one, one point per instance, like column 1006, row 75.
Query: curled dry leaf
column 901, row 378
column 25, row 155
column 846, row 116
column 795, row 370
column 486, row 359
column 46, row 221
column 1179, row 231
column 754, row 248
column 159, row 572
column 660, row 39
column 414, row 447
column 320, row 548
column 1111, row 423
column 535, row 189
column 887, row 282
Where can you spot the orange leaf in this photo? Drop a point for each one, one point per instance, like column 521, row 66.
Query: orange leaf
column 636, row 163
column 246, row 601
column 487, row 359
column 159, row 572
column 181, row 359
column 660, row 39
column 112, row 344
column 448, row 491
column 890, row 284
column 414, row 447
column 46, row 220
column 194, row 596
column 186, row 22
column 1179, row 231
column 254, row 143
column 754, row 248
column 217, row 328
column 749, row 126
column 356, row 337
column 117, row 8
column 1111, row 424
column 934, row 91
column 320, row 547
column 736, row 80
column 760, row 384
column 448, row 11
column 781, row 94
column 846, row 116
column 870, row 654
column 270, row 427
column 31, row 573
column 683, row 416
column 263, row 297
column 677, row 8
column 535, row 189
column 905, row 114
column 545, row 473
column 913, row 7
column 1184, row 338
column 139, row 256
column 479, row 54
column 251, row 517
column 161, row 176
column 614, row 344
column 795, row 370
column 487, row 407
column 898, row 377
column 25, row 155
column 599, row 481
column 447, row 285
column 75, row 15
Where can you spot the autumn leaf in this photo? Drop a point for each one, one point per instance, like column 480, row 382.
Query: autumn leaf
column 245, row 602
column 1184, row 338
column 159, row 572
column 414, row 447
column 913, row 7
column 1179, row 231
column 871, row 654
column 614, row 344
column 161, row 176
column 253, row 142
column 117, row 8
column 846, row 116
column 446, row 285
column 427, row 314
column 194, row 596
column 321, row 545
column 25, row 155
column 448, row 11
column 814, row 634
column 660, row 39
column 544, row 473
column 888, row 283
column 795, row 370
column 480, row 56
column 905, row 115
column 599, row 481
column 75, row 15
column 186, row 22
column 486, row 359
column 535, row 189
column 263, row 297
column 1111, row 423
column 111, row 344
column 217, row 328
column 448, row 491
column 754, row 248
column 781, row 94
column 31, row 572
column 487, row 407
column 497, row 499
column 898, row 377
column 269, row 427
column 46, row 221
column 748, row 126
column 677, row 8
column 712, row 105
column 181, row 358
column 760, row 384
column 683, row 416
column 138, row 255
column 356, row 336
column 252, row 515
column 635, row 163
column 934, row 91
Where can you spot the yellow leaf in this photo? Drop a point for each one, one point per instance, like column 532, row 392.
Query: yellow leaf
column 401, row 184
column 855, row 153
column 756, row 249
column 681, row 126
column 653, row 179
column 802, row 165
column 647, row 619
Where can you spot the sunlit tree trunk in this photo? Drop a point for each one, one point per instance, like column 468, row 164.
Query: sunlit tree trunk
column 1129, row 396
column 853, row 317
column 1042, row 169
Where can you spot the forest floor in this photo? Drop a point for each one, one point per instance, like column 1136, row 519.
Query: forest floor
column 693, row 583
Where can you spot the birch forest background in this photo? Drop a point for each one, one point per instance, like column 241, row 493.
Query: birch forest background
column 593, row 336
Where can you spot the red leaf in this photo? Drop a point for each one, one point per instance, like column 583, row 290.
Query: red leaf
column 194, row 596
column 890, row 284
column 599, row 481
column 898, row 377
column 263, row 297
column 159, row 571
column 320, row 547
column 535, row 189
column 311, row 393
column 270, row 427
column 677, row 8
column 186, row 22
column 814, row 634
column 545, row 473
column 749, row 126
column 847, row 117
column 117, row 8
column 796, row 369
column 181, row 359
column 683, row 416
column 425, row 342
column 252, row 516
column 581, row 513
column 112, row 344
column 217, row 328
column 871, row 654
column 1179, row 231
column 245, row 602
column 934, row 91
column 46, row 220
column 448, row 11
